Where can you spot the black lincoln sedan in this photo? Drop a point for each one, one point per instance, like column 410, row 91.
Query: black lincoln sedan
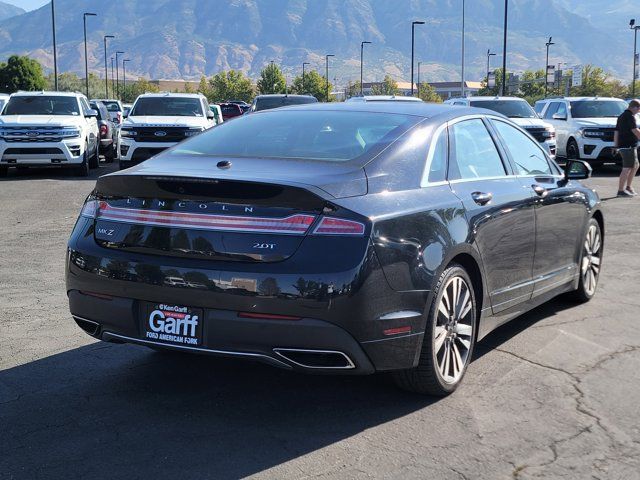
column 348, row 238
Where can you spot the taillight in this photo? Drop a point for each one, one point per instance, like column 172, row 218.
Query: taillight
column 89, row 209
column 104, row 130
column 339, row 226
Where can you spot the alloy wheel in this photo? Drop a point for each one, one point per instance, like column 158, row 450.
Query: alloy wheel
column 453, row 330
column 590, row 268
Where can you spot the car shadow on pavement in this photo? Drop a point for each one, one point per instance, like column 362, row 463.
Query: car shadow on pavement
column 123, row 411
column 57, row 173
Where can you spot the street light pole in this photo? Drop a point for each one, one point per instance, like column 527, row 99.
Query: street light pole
column 413, row 34
column 124, row 75
column 326, row 60
column 419, row 63
column 546, row 67
column 106, row 71
column 86, row 60
column 504, row 49
column 304, row 85
column 634, row 27
column 361, row 63
column 55, row 53
column 113, row 85
column 462, row 77
column 117, row 76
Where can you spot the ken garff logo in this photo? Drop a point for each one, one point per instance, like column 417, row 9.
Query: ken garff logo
column 160, row 133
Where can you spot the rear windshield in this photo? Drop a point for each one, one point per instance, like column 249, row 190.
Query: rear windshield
column 267, row 103
column 226, row 109
column 597, row 108
column 112, row 106
column 509, row 108
column 97, row 109
column 167, row 106
column 310, row 135
column 42, row 105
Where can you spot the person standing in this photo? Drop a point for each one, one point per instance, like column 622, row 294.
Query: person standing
column 625, row 140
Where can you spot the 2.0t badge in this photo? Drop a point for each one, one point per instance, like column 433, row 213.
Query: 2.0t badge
column 173, row 324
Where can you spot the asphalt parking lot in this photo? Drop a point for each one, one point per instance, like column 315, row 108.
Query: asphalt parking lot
column 554, row 394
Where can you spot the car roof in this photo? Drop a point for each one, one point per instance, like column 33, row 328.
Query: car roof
column 105, row 100
column 443, row 111
column 282, row 95
column 577, row 99
column 170, row 94
column 43, row 92
column 488, row 98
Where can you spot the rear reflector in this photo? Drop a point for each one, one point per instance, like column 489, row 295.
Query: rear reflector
column 295, row 224
column 267, row 316
column 397, row 330
column 339, row 226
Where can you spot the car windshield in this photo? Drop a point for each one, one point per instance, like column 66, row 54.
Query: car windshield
column 509, row 108
column 112, row 106
column 42, row 105
column 167, row 106
column 597, row 108
column 267, row 103
column 310, row 135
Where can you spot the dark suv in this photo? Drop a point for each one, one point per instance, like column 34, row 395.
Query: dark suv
column 266, row 102
column 107, row 146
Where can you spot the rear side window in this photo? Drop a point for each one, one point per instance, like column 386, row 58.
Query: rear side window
column 304, row 134
column 527, row 156
column 438, row 166
column 473, row 153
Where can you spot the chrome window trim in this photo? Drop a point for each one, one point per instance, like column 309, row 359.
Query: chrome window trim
column 425, row 174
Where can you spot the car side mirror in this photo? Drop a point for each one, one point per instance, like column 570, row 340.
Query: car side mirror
column 91, row 113
column 558, row 116
column 577, row 170
column 210, row 115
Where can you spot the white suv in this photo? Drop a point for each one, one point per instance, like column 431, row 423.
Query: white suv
column 48, row 128
column 520, row 112
column 158, row 121
column 584, row 126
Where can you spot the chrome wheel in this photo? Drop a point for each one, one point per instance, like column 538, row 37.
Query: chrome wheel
column 453, row 330
column 591, row 257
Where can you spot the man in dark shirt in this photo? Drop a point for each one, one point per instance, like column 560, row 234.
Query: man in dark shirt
column 625, row 139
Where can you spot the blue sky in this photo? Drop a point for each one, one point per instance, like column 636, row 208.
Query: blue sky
column 27, row 4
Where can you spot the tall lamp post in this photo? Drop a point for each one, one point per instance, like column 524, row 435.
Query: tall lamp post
column 361, row 63
column 124, row 75
column 546, row 67
column 326, row 61
column 489, row 55
column 86, row 60
column 413, row 35
column 462, row 75
column 113, row 83
column 118, row 76
column 55, row 53
column 419, row 63
column 106, row 71
column 634, row 27
column 503, row 88
column 304, row 85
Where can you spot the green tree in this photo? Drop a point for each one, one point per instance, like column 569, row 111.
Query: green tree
column 594, row 82
column 204, row 88
column 314, row 84
column 388, row 87
column 352, row 89
column 21, row 73
column 532, row 85
column 132, row 90
column 272, row 80
column 428, row 94
column 231, row 85
column 70, row 82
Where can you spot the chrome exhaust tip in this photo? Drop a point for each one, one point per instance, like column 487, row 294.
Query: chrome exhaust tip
column 316, row 359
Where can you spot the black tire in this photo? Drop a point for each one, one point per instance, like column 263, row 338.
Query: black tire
column 590, row 263
column 427, row 377
column 573, row 152
column 110, row 155
column 3, row 171
column 94, row 160
column 82, row 170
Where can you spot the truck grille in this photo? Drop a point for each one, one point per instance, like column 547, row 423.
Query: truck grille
column 35, row 134
column 539, row 133
column 160, row 134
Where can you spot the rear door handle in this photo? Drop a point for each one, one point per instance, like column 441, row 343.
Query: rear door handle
column 481, row 198
column 540, row 190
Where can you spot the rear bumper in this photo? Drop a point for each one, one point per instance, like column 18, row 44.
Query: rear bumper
column 341, row 311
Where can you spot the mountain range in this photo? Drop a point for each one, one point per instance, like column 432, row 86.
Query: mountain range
column 8, row 11
column 173, row 39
